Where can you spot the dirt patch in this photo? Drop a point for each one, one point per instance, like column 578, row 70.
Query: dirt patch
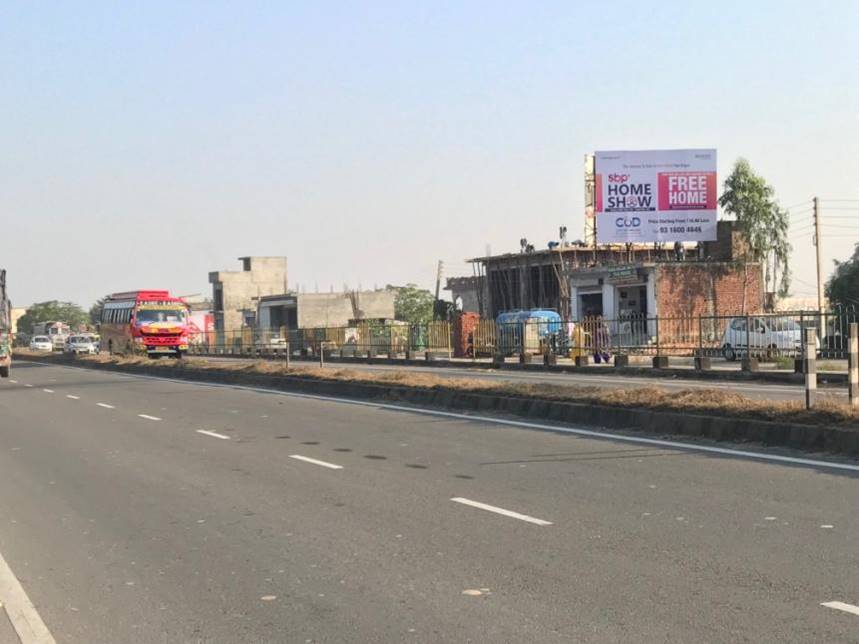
column 697, row 400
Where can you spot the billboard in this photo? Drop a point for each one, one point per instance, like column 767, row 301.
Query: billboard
column 655, row 196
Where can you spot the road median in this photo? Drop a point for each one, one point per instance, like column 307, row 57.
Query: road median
column 716, row 415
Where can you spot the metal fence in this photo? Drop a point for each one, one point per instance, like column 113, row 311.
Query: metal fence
column 361, row 340
column 762, row 335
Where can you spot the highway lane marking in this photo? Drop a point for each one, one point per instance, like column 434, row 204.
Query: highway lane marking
column 847, row 608
column 73, row 397
column 213, row 434
column 14, row 382
column 28, row 385
column 105, row 405
column 497, row 510
column 307, row 459
column 48, row 391
column 20, row 610
column 576, row 431
column 148, row 417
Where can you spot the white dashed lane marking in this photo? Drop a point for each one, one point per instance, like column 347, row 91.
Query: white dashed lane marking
column 48, row 391
column 105, row 405
column 148, row 417
column 213, row 434
column 502, row 511
column 28, row 386
column 847, row 608
column 73, row 397
column 14, row 382
column 307, row 459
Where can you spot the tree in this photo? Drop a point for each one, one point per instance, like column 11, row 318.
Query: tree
column 752, row 201
column 53, row 311
column 95, row 311
column 843, row 286
column 412, row 304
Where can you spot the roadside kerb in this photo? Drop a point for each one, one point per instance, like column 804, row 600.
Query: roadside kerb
column 830, row 378
column 652, row 421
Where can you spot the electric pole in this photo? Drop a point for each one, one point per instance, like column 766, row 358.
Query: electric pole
column 437, row 288
column 817, row 240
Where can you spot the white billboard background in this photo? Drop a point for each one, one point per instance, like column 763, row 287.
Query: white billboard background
column 655, row 196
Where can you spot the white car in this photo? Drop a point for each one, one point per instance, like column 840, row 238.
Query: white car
column 81, row 344
column 768, row 337
column 41, row 343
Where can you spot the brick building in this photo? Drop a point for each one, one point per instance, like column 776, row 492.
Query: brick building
column 626, row 282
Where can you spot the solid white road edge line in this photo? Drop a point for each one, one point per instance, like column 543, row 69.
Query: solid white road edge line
column 105, row 405
column 497, row 510
column 847, row 608
column 20, row 610
column 147, row 417
column 307, row 459
column 213, row 434
column 73, row 397
column 590, row 433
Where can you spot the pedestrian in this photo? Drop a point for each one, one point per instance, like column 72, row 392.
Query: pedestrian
column 602, row 341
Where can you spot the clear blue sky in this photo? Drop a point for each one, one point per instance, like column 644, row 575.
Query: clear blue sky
column 145, row 144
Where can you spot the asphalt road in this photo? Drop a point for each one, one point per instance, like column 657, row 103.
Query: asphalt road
column 750, row 389
column 142, row 510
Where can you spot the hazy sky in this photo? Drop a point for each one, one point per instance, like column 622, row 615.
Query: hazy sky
column 146, row 144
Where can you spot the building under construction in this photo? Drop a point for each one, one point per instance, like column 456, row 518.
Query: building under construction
column 624, row 281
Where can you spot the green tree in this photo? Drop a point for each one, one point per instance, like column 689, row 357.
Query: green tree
column 95, row 311
column 752, row 201
column 53, row 311
column 843, row 285
column 413, row 304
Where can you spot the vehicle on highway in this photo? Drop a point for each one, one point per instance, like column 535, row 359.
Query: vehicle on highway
column 82, row 343
column 41, row 343
column 767, row 337
column 58, row 332
column 153, row 323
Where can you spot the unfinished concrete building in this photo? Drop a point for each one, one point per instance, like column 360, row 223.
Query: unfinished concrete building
column 235, row 293
column 317, row 310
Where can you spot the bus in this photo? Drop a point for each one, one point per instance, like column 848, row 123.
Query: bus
column 144, row 322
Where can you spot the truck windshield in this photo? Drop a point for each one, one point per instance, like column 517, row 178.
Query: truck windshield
column 145, row 316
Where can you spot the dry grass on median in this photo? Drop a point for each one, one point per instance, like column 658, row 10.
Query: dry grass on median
column 711, row 401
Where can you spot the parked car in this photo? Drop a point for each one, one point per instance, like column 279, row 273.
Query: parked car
column 769, row 337
column 81, row 344
column 41, row 343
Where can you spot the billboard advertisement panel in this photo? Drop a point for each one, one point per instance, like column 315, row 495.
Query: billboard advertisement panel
column 655, row 196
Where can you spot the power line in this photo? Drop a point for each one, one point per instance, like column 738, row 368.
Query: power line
column 798, row 204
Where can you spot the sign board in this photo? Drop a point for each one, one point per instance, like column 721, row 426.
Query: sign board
column 655, row 196
column 624, row 275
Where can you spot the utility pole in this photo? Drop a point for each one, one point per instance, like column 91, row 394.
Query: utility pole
column 817, row 249
column 437, row 288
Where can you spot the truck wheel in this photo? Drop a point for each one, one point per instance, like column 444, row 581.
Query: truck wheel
column 4, row 372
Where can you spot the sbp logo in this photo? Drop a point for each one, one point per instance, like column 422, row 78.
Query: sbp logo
column 627, row 222
column 618, row 178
